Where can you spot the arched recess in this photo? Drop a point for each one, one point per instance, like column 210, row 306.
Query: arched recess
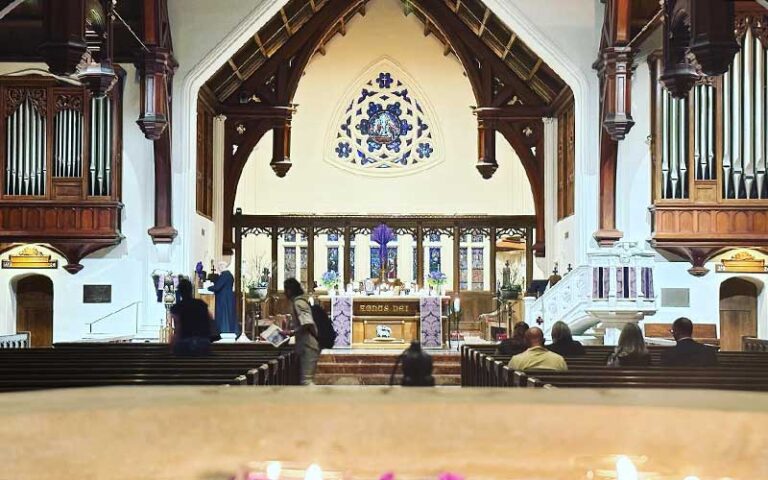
column 505, row 103
column 738, row 310
column 34, row 307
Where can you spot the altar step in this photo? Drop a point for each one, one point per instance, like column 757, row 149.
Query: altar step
column 375, row 369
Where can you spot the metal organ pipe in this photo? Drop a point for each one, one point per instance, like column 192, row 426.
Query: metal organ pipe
column 92, row 157
column 747, row 118
column 664, row 143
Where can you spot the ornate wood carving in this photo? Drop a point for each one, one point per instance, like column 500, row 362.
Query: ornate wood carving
column 156, row 68
column 15, row 96
column 75, row 229
column 614, row 69
column 698, row 40
column 69, row 102
column 64, row 25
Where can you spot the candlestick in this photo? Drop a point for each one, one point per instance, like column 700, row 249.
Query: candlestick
column 457, row 304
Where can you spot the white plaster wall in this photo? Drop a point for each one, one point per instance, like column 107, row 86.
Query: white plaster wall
column 126, row 266
column 566, row 35
column 454, row 186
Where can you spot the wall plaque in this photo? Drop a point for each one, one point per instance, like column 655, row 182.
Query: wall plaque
column 742, row 262
column 97, row 293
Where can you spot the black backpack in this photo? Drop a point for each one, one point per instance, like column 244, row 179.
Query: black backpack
column 326, row 335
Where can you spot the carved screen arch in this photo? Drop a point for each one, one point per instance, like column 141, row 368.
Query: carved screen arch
column 384, row 125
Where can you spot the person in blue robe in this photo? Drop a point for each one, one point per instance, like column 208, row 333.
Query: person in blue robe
column 225, row 302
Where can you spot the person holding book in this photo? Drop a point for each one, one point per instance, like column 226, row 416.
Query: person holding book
column 304, row 329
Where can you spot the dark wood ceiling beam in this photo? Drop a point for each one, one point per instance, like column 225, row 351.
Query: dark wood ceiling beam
column 454, row 29
column 65, row 45
column 311, row 34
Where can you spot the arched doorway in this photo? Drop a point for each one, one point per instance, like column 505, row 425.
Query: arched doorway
column 34, row 309
column 738, row 312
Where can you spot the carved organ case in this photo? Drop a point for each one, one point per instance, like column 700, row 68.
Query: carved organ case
column 710, row 153
column 61, row 151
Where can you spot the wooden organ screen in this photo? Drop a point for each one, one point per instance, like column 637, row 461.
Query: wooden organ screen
column 58, row 143
column 566, row 152
column 712, row 146
column 204, row 202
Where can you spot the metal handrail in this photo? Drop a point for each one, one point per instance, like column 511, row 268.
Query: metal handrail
column 90, row 324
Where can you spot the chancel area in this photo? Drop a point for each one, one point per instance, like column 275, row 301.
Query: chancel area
column 233, row 235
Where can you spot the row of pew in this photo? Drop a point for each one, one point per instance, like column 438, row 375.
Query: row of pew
column 71, row 365
column 482, row 367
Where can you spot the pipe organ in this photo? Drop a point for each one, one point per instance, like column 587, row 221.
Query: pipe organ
column 709, row 156
column 60, row 149
column 72, row 138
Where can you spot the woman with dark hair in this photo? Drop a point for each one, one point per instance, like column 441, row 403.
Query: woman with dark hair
column 631, row 350
column 192, row 323
column 563, row 343
column 516, row 344
column 304, row 329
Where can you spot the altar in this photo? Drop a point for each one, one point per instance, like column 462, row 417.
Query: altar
column 388, row 321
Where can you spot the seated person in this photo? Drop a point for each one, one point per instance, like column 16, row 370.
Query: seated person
column 516, row 344
column 631, row 350
column 417, row 367
column 192, row 321
column 537, row 357
column 687, row 352
column 563, row 342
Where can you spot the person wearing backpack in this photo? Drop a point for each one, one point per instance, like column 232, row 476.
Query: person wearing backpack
column 305, row 330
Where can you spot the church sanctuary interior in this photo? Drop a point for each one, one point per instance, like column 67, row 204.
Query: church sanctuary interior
column 384, row 239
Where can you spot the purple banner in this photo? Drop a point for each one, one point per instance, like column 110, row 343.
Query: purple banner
column 341, row 318
column 431, row 315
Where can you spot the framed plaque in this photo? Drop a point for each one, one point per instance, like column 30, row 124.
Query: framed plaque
column 97, row 293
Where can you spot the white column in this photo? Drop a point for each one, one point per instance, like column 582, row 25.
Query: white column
column 550, row 195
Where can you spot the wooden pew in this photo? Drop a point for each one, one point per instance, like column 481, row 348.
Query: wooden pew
column 78, row 365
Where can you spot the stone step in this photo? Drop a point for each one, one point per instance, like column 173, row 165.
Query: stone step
column 376, row 379
column 381, row 368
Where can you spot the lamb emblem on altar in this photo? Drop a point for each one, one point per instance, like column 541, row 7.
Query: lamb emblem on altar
column 383, row 331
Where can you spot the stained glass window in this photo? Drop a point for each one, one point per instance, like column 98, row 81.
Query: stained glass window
column 333, row 237
column 414, row 265
column 434, row 259
column 463, row 269
column 289, row 237
column 477, row 268
column 333, row 259
column 375, row 263
column 477, row 238
column 392, row 262
column 303, row 265
column 290, row 262
column 352, row 262
column 385, row 127
column 434, row 237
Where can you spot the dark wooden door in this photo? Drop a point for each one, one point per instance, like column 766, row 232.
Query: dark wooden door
column 738, row 312
column 34, row 309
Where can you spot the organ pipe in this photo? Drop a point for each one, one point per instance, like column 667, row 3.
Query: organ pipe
column 25, row 156
column 100, row 168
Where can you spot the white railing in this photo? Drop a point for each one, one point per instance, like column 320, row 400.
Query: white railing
column 568, row 301
column 17, row 340
column 615, row 287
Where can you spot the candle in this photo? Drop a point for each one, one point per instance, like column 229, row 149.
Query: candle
column 314, row 472
column 625, row 469
column 311, row 300
column 273, row 470
column 456, row 304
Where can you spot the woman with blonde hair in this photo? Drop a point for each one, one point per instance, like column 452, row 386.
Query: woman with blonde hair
column 631, row 350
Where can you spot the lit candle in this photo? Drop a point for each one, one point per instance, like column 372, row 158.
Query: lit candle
column 456, row 304
column 273, row 470
column 625, row 469
column 314, row 472
column 311, row 300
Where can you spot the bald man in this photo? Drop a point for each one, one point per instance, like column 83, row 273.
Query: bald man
column 537, row 357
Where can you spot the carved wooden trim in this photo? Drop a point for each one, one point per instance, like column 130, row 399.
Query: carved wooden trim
column 69, row 102
column 15, row 96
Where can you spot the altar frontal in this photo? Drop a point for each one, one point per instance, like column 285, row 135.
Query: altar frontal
column 381, row 322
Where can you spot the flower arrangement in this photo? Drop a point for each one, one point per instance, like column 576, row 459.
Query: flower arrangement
column 436, row 279
column 330, row 279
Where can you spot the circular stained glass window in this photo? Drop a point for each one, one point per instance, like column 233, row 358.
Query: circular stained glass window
column 385, row 127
